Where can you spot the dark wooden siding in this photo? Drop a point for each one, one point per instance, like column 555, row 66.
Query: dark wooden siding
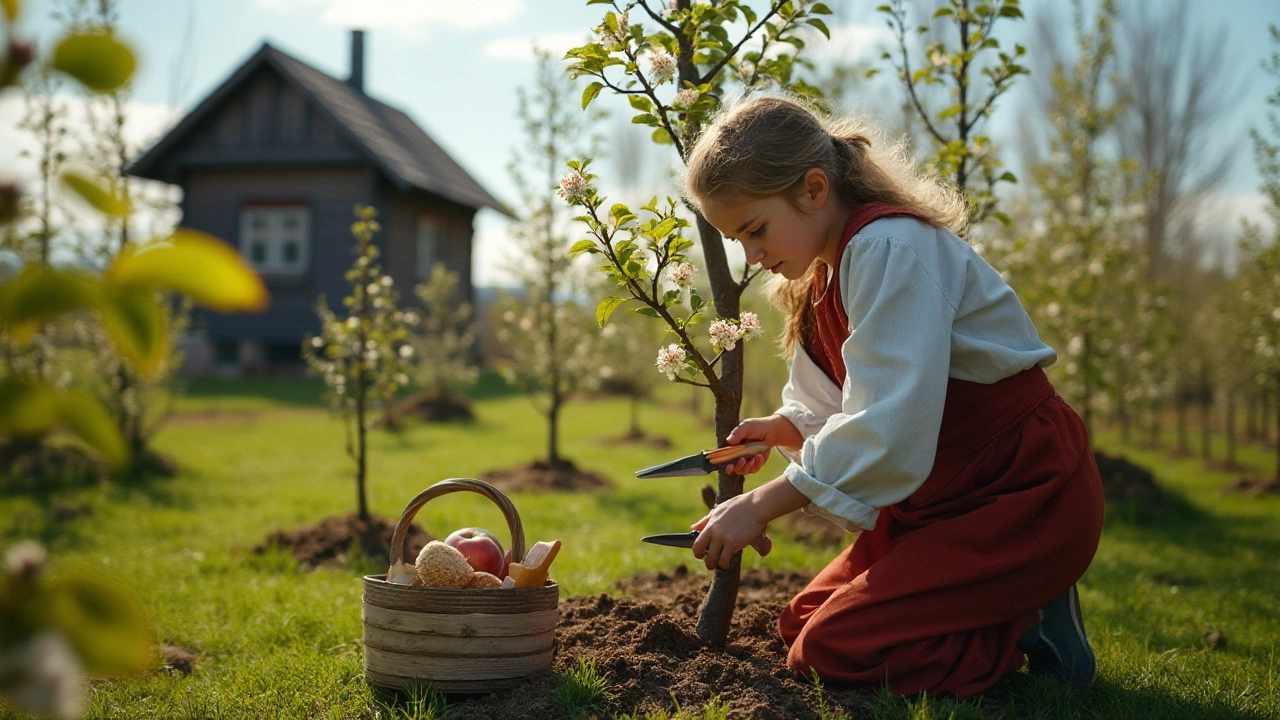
column 265, row 121
column 213, row 202
column 400, row 251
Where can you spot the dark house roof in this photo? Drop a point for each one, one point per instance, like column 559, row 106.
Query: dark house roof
column 391, row 141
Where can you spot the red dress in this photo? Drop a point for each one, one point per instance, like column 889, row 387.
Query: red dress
column 935, row 597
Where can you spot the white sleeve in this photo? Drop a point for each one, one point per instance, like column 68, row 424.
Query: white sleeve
column 808, row 398
column 880, row 447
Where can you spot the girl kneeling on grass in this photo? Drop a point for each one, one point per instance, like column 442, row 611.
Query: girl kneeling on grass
column 916, row 412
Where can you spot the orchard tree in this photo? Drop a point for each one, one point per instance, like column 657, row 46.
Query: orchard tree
column 363, row 354
column 546, row 331
column 974, row 80
column 1081, row 272
column 443, row 339
column 1260, row 276
column 673, row 62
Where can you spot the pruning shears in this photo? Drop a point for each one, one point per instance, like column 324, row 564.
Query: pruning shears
column 704, row 462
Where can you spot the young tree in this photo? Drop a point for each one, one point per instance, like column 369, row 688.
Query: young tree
column 1260, row 276
column 547, row 331
column 1081, row 273
column 691, row 49
column 443, row 342
column 362, row 355
column 961, row 152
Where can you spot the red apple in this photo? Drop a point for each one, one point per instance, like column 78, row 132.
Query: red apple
column 480, row 548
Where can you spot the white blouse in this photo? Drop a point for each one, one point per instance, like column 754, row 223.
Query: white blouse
column 922, row 307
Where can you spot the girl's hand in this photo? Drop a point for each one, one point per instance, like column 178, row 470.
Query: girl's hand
column 774, row 430
column 729, row 527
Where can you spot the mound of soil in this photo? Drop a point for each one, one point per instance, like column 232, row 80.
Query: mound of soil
column 538, row 475
column 1255, row 486
column 1122, row 480
column 435, row 407
column 659, row 442
column 648, row 646
column 329, row 541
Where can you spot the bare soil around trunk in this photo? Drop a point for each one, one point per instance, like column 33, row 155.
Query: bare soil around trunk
column 543, row 476
column 333, row 540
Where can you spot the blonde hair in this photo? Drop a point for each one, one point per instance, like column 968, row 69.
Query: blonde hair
column 763, row 145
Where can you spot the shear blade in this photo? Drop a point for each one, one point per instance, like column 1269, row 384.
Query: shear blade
column 690, row 465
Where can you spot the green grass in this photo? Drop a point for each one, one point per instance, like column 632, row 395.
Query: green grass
column 274, row 641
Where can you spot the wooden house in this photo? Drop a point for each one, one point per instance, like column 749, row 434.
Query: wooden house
column 274, row 161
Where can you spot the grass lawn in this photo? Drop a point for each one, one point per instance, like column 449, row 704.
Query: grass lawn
column 273, row 641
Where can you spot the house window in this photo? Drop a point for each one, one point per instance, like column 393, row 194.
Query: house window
column 276, row 239
column 427, row 244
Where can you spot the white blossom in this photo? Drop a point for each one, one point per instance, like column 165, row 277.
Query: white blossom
column 572, row 186
column 670, row 359
column 940, row 59
column 662, row 67
column 406, row 351
column 1076, row 346
column 681, row 274
column 1053, row 309
column 44, row 676
column 24, row 559
column 686, row 98
column 750, row 326
column 724, row 334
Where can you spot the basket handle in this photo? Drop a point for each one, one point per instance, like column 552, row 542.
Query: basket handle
column 444, row 487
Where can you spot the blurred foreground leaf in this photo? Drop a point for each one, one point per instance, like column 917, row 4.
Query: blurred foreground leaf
column 136, row 325
column 102, row 199
column 104, row 624
column 201, row 266
column 100, row 62
column 39, row 294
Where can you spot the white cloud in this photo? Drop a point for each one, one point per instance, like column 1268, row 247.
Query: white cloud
column 521, row 47
column 409, row 17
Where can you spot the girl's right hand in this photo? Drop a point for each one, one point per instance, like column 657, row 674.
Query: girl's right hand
column 775, row 430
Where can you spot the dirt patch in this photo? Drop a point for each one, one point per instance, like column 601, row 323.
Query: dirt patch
column 434, row 407
column 538, row 475
column 1254, row 486
column 659, row 442
column 177, row 660
column 1122, row 480
column 648, row 646
column 330, row 541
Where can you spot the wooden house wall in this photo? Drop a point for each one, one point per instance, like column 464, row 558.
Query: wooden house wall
column 400, row 251
column 213, row 203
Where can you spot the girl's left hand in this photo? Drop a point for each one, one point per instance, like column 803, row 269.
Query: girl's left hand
column 726, row 530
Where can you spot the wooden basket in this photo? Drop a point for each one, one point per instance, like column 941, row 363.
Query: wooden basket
column 457, row 640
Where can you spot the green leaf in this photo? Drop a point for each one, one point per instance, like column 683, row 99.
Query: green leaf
column 663, row 228
column 646, row 119
column 137, row 327
column 590, row 93
column 606, row 308
column 695, row 300
column 104, row 624
column 646, row 311
column 822, row 27
column 670, row 297
column 820, row 9
column 85, row 417
column 39, row 294
column 661, row 137
column 27, row 408
column 100, row 62
column 583, row 246
column 102, row 199
column 201, row 266
column 943, row 12
column 643, row 104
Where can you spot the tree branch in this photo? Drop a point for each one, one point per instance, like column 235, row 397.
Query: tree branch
column 906, row 77
column 773, row 10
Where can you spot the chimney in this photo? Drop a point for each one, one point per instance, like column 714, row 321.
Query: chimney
column 357, row 61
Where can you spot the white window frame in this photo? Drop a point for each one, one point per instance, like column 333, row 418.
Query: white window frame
column 275, row 217
column 427, row 232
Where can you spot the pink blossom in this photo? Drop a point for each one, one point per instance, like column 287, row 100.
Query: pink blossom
column 750, row 326
column 572, row 187
column 670, row 359
column 724, row 334
column 662, row 67
column 686, row 98
column 681, row 274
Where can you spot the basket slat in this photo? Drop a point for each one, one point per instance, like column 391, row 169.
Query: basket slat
column 462, row 626
column 458, row 647
column 432, row 669
column 399, row 682
column 379, row 592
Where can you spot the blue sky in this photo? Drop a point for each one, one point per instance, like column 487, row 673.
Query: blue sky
column 455, row 66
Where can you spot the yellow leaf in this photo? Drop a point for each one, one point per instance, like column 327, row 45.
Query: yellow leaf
column 102, row 199
column 39, row 294
column 105, row 625
column 99, row 61
column 137, row 327
column 210, row 271
column 84, row 416
column 27, row 408
column 10, row 9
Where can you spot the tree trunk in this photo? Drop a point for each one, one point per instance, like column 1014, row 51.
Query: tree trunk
column 1155, row 423
column 553, row 430
column 1278, row 434
column 1180, row 409
column 1251, row 419
column 635, row 416
column 1206, row 402
column 362, row 507
column 1231, row 427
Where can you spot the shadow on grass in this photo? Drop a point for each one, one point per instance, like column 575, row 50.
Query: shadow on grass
column 1178, row 522
column 299, row 392
column 1029, row 696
